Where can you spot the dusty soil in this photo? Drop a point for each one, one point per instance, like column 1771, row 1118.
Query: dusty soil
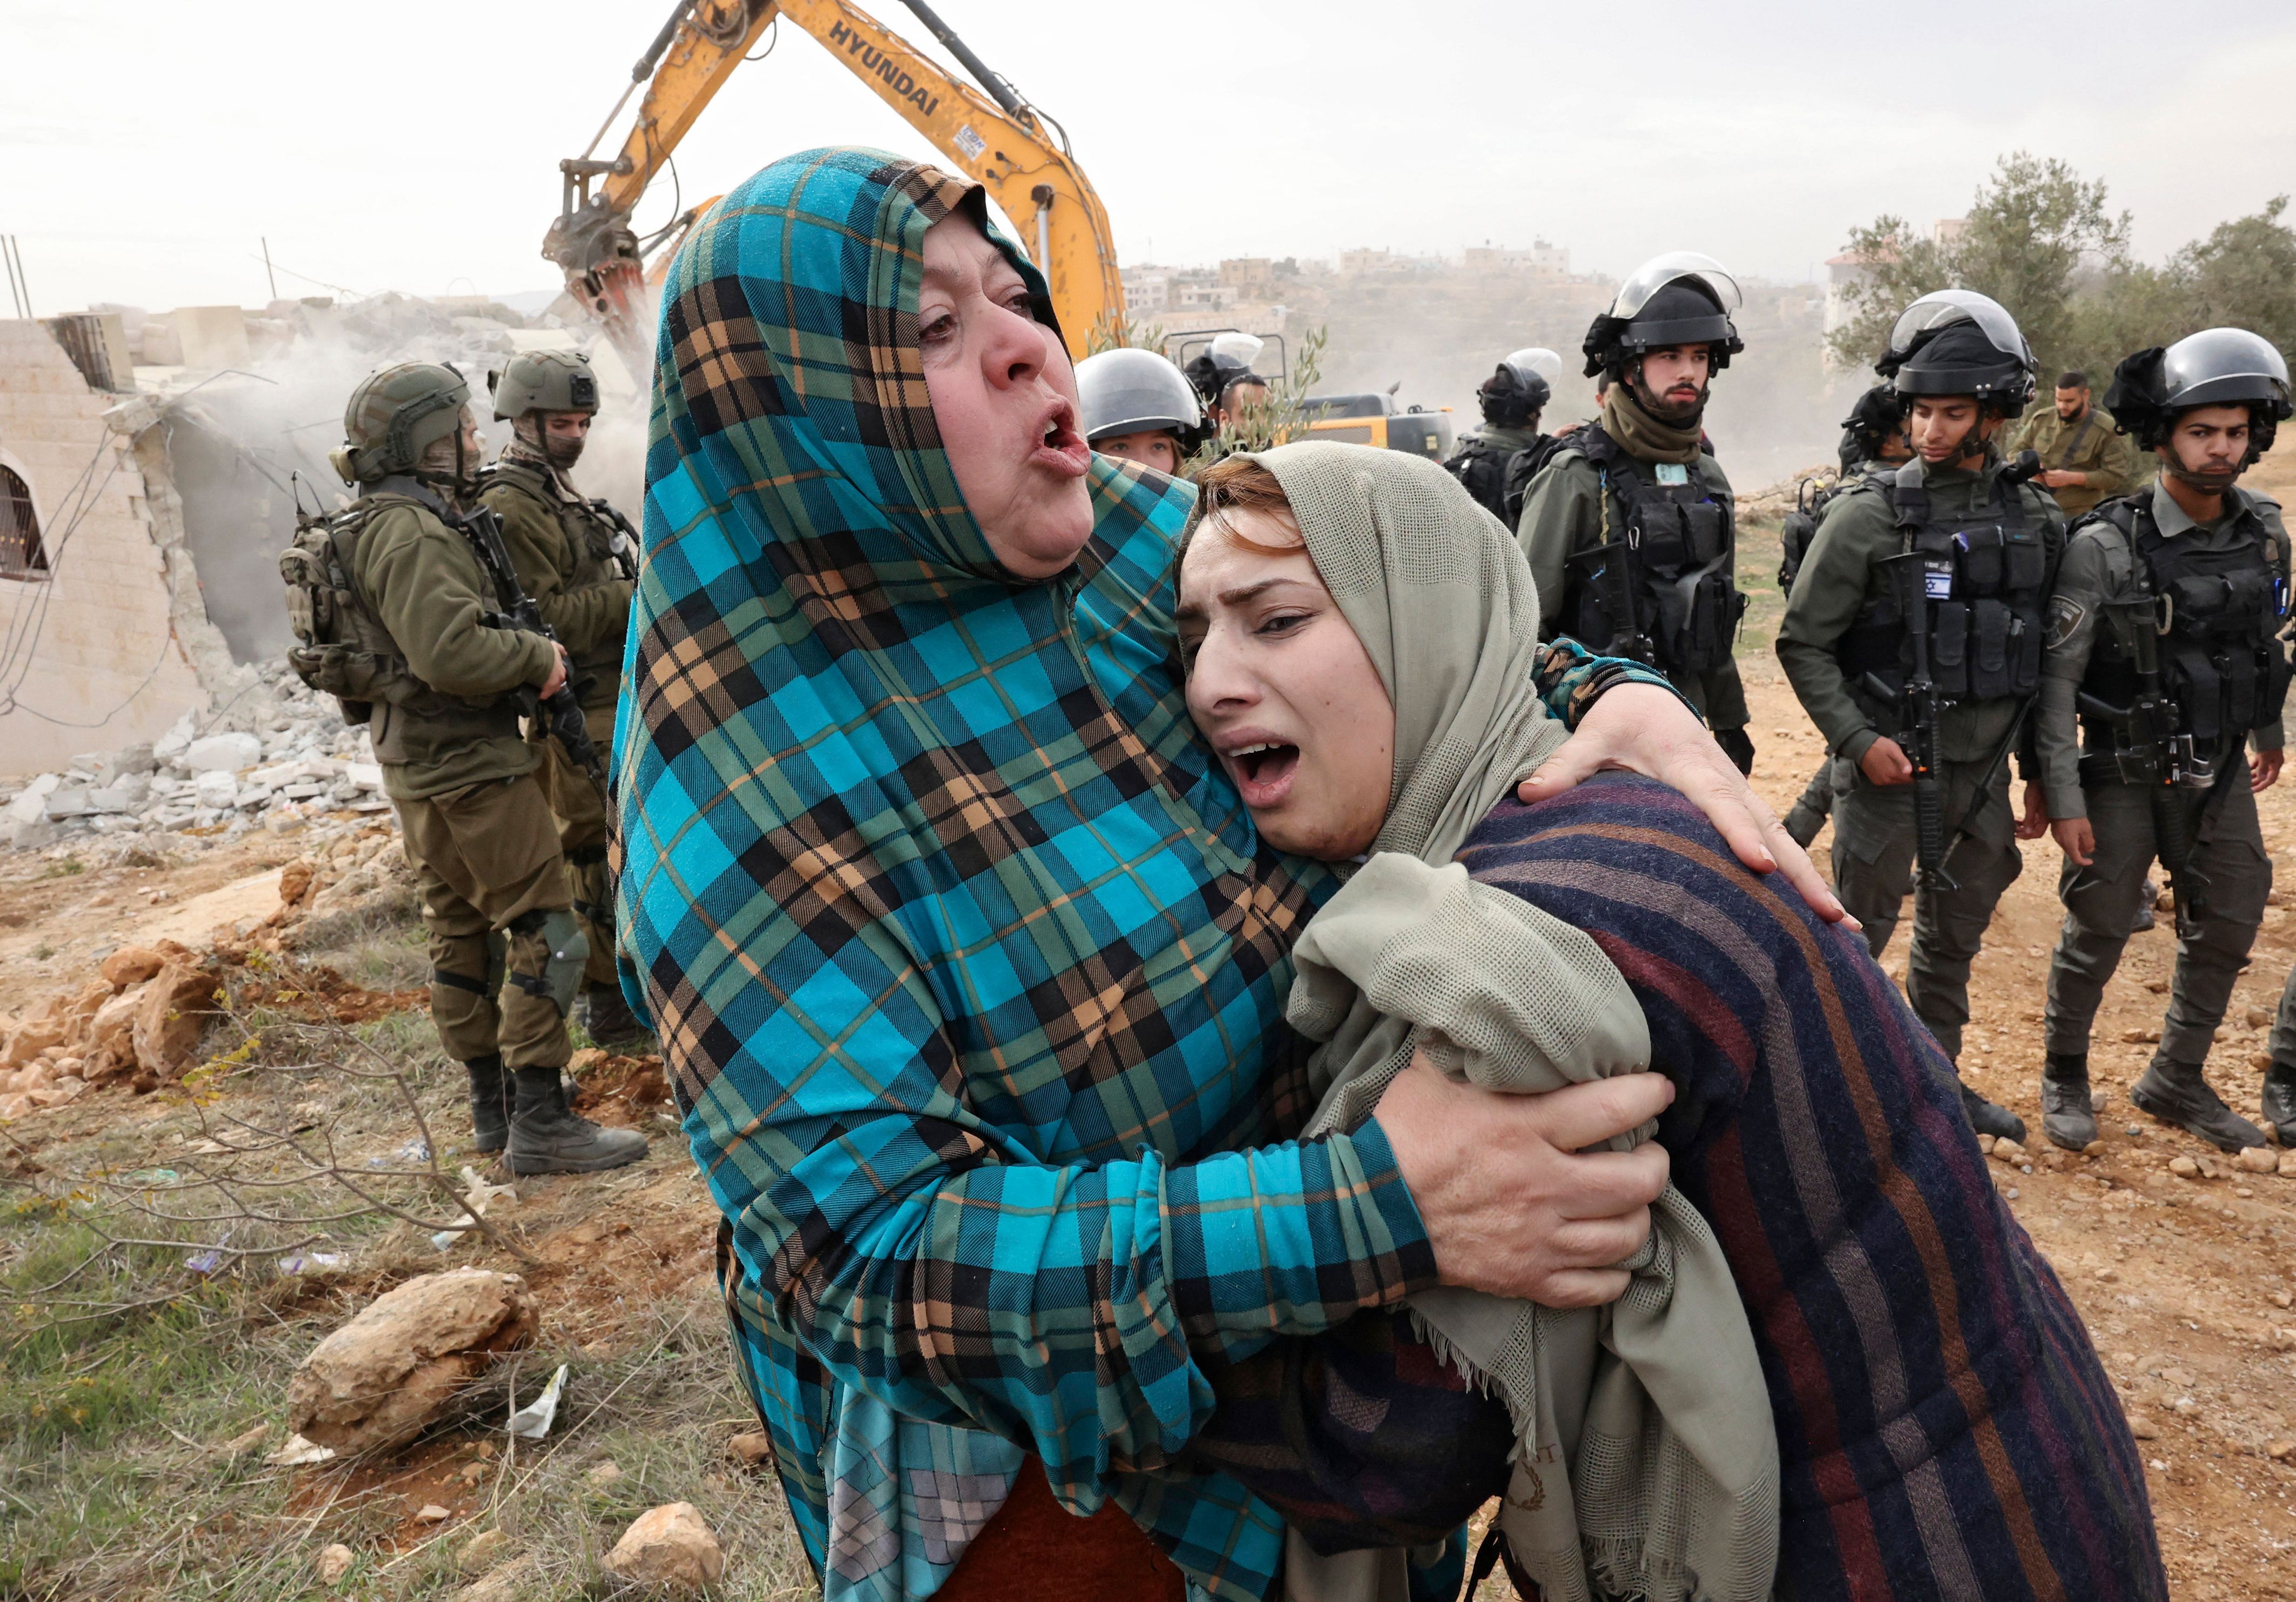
column 2186, row 1282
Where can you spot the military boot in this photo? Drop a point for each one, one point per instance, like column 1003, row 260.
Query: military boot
column 1990, row 1117
column 2280, row 1101
column 2065, row 1115
column 490, row 1104
column 547, row 1137
column 608, row 1017
column 2177, row 1093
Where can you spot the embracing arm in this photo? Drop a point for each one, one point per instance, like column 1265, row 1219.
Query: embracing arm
column 927, row 1261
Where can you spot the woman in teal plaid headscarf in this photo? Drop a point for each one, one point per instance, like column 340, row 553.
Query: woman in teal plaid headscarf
column 967, row 964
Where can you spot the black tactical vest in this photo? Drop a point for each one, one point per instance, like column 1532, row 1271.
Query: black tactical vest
column 2221, row 658
column 1669, row 551
column 1482, row 467
column 1986, row 584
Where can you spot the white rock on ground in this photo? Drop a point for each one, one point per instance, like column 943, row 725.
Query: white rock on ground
column 377, row 1381
column 334, row 1562
column 669, row 1545
column 223, row 754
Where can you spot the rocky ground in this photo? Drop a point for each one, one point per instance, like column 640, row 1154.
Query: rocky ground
column 144, row 1393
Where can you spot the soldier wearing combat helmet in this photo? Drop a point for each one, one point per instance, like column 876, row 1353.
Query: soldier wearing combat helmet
column 395, row 617
column 1912, row 639
column 2164, row 650
column 576, row 560
column 1631, row 528
column 1511, row 399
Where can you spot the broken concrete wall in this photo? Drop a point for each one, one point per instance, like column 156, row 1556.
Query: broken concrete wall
column 92, row 656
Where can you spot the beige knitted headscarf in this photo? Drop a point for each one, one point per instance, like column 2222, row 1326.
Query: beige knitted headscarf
column 1647, row 1465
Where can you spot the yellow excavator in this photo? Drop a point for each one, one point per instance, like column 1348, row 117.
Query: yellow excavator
column 996, row 137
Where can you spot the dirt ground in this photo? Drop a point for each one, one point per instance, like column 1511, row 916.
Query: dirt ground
column 2186, row 1282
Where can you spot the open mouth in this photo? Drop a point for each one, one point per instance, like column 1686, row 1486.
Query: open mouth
column 1264, row 772
column 1060, row 446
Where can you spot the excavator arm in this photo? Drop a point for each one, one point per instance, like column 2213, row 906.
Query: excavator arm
column 996, row 138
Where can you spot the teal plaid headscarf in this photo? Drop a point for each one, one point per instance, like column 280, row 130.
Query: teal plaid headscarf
column 965, row 958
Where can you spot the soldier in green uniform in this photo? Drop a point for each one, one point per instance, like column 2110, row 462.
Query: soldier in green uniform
column 1981, row 548
column 1872, row 441
column 577, row 561
column 1511, row 400
column 2085, row 460
column 1631, row 528
column 2164, row 647
column 392, row 607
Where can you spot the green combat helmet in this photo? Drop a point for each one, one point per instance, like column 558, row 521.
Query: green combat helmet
column 396, row 415
column 543, row 381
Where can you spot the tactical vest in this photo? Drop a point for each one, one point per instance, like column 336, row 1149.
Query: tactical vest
column 1675, row 548
column 1810, row 502
column 590, row 525
column 1482, row 467
column 2221, row 660
column 344, row 649
column 1525, row 465
column 1985, row 586
column 591, row 529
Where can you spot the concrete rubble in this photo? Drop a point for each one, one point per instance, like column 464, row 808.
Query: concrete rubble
column 277, row 757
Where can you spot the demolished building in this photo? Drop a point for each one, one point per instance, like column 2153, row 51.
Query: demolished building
column 150, row 469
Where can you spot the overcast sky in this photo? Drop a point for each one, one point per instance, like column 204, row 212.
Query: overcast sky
column 146, row 147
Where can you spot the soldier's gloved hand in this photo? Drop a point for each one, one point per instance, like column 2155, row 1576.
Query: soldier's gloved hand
column 1885, row 762
column 2075, row 839
column 557, row 679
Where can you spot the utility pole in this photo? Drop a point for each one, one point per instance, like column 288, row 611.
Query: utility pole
column 268, row 273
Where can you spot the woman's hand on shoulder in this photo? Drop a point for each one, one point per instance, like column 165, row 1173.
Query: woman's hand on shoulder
column 1509, row 1204
column 1647, row 730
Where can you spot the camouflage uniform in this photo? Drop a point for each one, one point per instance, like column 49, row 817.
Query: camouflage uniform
column 2090, row 444
column 565, row 550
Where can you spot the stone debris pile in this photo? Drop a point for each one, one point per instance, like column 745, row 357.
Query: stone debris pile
column 275, row 757
column 140, row 1019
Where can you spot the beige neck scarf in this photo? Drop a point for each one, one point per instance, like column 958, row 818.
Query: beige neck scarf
column 1642, row 436
column 1648, row 1462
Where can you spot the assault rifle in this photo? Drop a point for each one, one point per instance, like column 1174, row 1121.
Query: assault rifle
column 1621, row 557
column 2149, row 750
column 560, row 714
column 1915, row 573
column 1921, row 579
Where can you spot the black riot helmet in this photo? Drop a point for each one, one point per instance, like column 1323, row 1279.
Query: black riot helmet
column 1520, row 387
column 1878, row 415
column 2217, row 366
column 1681, row 298
column 1955, row 341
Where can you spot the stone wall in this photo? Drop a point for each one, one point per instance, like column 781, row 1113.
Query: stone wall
column 91, row 656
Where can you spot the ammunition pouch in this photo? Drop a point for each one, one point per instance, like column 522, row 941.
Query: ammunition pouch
column 1678, row 548
column 1986, row 582
column 2218, row 618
